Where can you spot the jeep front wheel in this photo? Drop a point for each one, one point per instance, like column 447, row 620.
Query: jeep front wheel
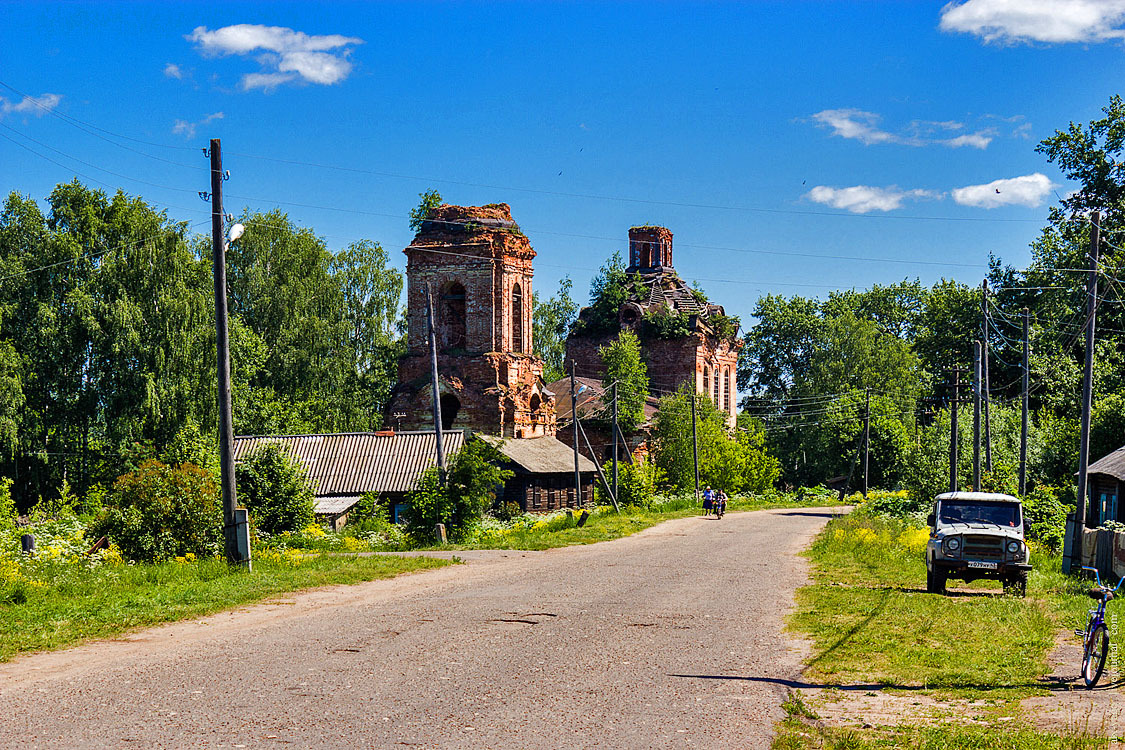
column 1016, row 585
column 935, row 581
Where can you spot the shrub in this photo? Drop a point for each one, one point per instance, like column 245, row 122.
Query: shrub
column 7, row 505
column 159, row 512
column 507, row 511
column 1045, row 517
column 636, row 483
column 275, row 491
column 472, row 478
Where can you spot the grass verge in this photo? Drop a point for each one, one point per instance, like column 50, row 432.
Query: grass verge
column 107, row 600
column 871, row 622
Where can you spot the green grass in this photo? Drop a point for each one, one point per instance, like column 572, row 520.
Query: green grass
column 871, row 620
column 606, row 525
column 796, row 733
column 108, row 600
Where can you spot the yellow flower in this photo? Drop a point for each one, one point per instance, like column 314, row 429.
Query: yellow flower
column 314, row 530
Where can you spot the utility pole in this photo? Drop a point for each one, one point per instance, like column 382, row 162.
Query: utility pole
column 439, row 447
column 866, row 436
column 976, row 414
column 956, row 385
column 1026, row 390
column 231, row 516
column 985, row 381
column 1087, row 395
column 615, row 439
column 574, row 418
column 694, row 445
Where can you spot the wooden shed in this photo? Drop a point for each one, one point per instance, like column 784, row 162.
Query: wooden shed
column 544, row 474
column 343, row 467
column 1104, row 480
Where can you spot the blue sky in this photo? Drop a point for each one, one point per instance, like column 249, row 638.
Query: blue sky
column 761, row 134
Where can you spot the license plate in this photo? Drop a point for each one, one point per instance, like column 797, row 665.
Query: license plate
column 984, row 565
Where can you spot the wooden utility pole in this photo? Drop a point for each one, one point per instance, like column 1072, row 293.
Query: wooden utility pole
column 615, row 440
column 866, row 436
column 1026, row 391
column 956, row 386
column 694, row 445
column 1087, row 393
column 226, row 424
column 434, row 387
column 976, row 414
column 985, row 387
column 574, row 418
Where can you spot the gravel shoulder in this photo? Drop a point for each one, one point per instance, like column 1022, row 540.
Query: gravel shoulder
column 672, row 637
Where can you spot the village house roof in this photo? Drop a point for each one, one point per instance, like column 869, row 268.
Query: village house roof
column 1112, row 465
column 591, row 400
column 344, row 466
column 541, row 455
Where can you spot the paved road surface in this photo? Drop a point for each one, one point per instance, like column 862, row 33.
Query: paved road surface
column 669, row 638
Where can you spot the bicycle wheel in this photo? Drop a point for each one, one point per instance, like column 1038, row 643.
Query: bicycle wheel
column 1094, row 654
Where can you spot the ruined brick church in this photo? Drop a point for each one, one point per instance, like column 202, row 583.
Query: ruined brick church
column 704, row 353
column 475, row 265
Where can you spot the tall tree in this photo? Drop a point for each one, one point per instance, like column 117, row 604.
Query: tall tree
column 624, row 366
column 551, row 322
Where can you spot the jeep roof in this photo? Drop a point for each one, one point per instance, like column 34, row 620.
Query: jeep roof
column 978, row 497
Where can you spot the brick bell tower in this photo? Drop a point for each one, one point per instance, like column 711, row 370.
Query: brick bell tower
column 477, row 264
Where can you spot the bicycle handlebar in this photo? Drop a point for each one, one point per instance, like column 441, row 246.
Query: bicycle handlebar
column 1098, row 579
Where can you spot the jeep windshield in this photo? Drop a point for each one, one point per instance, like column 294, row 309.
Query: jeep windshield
column 967, row 511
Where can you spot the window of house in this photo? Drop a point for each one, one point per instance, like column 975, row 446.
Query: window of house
column 726, row 389
column 715, row 386
column 706, row 379
column 517, row 319
column 453, row 316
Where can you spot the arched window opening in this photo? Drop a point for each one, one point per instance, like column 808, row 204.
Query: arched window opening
column 715, row 396
column 517, row 319
column 726, row 389
column 706, row 379
column 453, row 316
column 450, row 405
column 535, row 403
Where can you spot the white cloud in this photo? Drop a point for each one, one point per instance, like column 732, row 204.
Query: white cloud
column 861, row 199
column 31, row 105
column 288, row 55
column 171, row 70
column 1029, row 190
column 854, row 123
column 980, row 139
column 863, row 126
column 1051, row 21
column 187, row 129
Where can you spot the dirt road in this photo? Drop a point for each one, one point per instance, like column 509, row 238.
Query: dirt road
column 669, row 638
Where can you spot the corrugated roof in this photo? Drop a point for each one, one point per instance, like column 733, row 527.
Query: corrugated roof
column 357, row 462
column 1113, row 465
column 334, row 505
column 541, row 455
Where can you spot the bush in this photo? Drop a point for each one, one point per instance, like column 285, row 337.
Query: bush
column 7, row 505
column 472, row 478
column 507, row 511
column 636, row 483
column 1045, row 516
column 275, row 491
column 159, row 512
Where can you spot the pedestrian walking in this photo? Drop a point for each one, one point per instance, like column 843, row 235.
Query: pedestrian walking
column 708, row 501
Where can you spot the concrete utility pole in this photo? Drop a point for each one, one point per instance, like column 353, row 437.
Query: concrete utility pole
column 976, row 414
column 615, row 440
column 438, row 446
column 574, row 418
column 866, row 436
column 1026, row 391
column 235, row 553
column 1075, row 558
column 956, row 385
column 694, row 445
column 985, row 394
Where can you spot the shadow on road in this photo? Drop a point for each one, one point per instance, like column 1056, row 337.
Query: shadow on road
column 1052, row 684
column 810, row 514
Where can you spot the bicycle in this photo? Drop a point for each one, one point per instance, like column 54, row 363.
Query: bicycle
column 1095, row 638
